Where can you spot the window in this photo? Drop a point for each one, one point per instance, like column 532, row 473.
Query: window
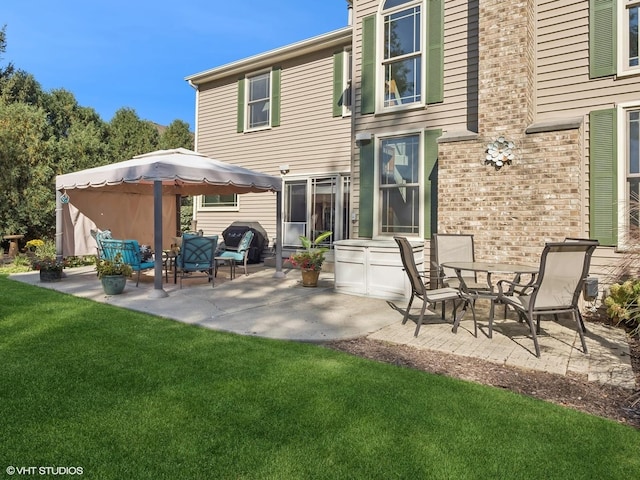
column 346, row 81
column 399, row 185
column 258, row 100
column 614, row 170
column 219, row 202
column 402, row 53
column 402, row 56
column 628, row 61
column 342, row 83
column 614, row 46
column 632, row 162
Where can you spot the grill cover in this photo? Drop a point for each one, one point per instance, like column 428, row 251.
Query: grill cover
column 233, row 233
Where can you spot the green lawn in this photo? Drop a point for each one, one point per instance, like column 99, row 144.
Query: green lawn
column 131, row 396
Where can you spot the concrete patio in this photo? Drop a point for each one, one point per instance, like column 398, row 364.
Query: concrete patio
column 281, row 308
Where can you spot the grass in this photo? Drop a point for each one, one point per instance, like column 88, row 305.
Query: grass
column 128, row 395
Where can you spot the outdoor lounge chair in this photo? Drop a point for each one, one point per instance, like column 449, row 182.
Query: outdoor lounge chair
column 242, row 253
column 130, row 250
column 563, row 269
column 419, row 287
column 197, row 254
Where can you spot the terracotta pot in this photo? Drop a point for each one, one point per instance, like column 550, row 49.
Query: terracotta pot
column 113, row 284
column 310, row 278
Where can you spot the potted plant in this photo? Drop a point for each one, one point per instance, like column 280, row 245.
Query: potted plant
column 310, row 259
column 43, row 259
column 113, row 274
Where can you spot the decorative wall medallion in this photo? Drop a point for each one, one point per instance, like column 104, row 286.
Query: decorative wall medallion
column 500, row 152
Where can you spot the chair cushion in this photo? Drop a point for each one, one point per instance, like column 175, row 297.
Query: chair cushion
column 232, row 255
column 143, row 266
column 245, row 241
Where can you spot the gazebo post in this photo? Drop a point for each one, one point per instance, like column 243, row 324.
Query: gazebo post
column 279, row 273
column 157, row 291
column 59, row 253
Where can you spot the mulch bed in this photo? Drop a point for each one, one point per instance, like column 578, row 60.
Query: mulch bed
column 572, row 391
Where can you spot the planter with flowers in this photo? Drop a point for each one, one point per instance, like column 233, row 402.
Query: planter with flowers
column 113, row 274
column 310, row 259
column 43, row 259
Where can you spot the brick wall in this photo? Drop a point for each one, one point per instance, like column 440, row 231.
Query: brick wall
column 514, row 210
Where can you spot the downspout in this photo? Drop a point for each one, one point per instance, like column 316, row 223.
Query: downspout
column 194, row 210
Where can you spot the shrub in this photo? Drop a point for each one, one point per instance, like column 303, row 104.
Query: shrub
column 623, row 304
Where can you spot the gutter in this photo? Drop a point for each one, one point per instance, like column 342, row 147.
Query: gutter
column 298, row 49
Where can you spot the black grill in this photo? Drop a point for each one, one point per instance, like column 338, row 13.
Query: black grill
column 233, row 233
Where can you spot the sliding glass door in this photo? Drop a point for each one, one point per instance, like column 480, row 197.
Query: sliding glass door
column 314, row 205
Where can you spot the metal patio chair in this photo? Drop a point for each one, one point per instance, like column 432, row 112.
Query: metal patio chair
column 419, row 287
column 564, row 266
column 242, row 253
column 197, row 254
column 450, row 247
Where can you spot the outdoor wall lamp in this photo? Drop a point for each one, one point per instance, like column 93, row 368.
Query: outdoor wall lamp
column 284, row 169
column 363, row 137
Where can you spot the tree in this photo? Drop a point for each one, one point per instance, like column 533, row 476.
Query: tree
column 3, row 48
column 44, row 134
column 27, row 205
column 176, row 135
column 20, row 86
column 129, row 136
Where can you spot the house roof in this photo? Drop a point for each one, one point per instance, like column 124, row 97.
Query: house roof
column 336, row 38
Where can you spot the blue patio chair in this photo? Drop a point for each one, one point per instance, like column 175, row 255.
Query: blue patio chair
column 197, row 254
column 130, row 251
column 242, row 253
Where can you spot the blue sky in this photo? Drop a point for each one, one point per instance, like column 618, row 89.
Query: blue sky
column 112, row 54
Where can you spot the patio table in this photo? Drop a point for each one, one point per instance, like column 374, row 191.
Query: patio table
column 488, row 268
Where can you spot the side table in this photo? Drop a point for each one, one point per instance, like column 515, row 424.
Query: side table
column 232, row 266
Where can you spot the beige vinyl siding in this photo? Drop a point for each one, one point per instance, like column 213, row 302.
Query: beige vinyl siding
column 564, row 90
column 309, row 139
column 563, row 86
column 460, row 75
column 459, row 108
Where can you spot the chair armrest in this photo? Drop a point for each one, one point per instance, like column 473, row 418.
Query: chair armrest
column 513, row 286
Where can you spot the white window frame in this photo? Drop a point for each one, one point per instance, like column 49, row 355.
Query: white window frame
column 247, row 101
column 381, row 64
column 347, row 83
column 199, row 205
column 377, row 200
column 623, row 67
column 622, row 147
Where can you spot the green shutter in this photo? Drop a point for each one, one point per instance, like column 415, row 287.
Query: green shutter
column 338, row 87
column 367, row 181
column 603, row 208
column 368, row 80
column 240, row 119
column 435, row 51
column 431, row 181
column 275, row 96
column 602, row 38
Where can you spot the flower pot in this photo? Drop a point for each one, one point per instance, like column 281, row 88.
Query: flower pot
column 310, row 278
column 50, row 275
column 113, row 284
